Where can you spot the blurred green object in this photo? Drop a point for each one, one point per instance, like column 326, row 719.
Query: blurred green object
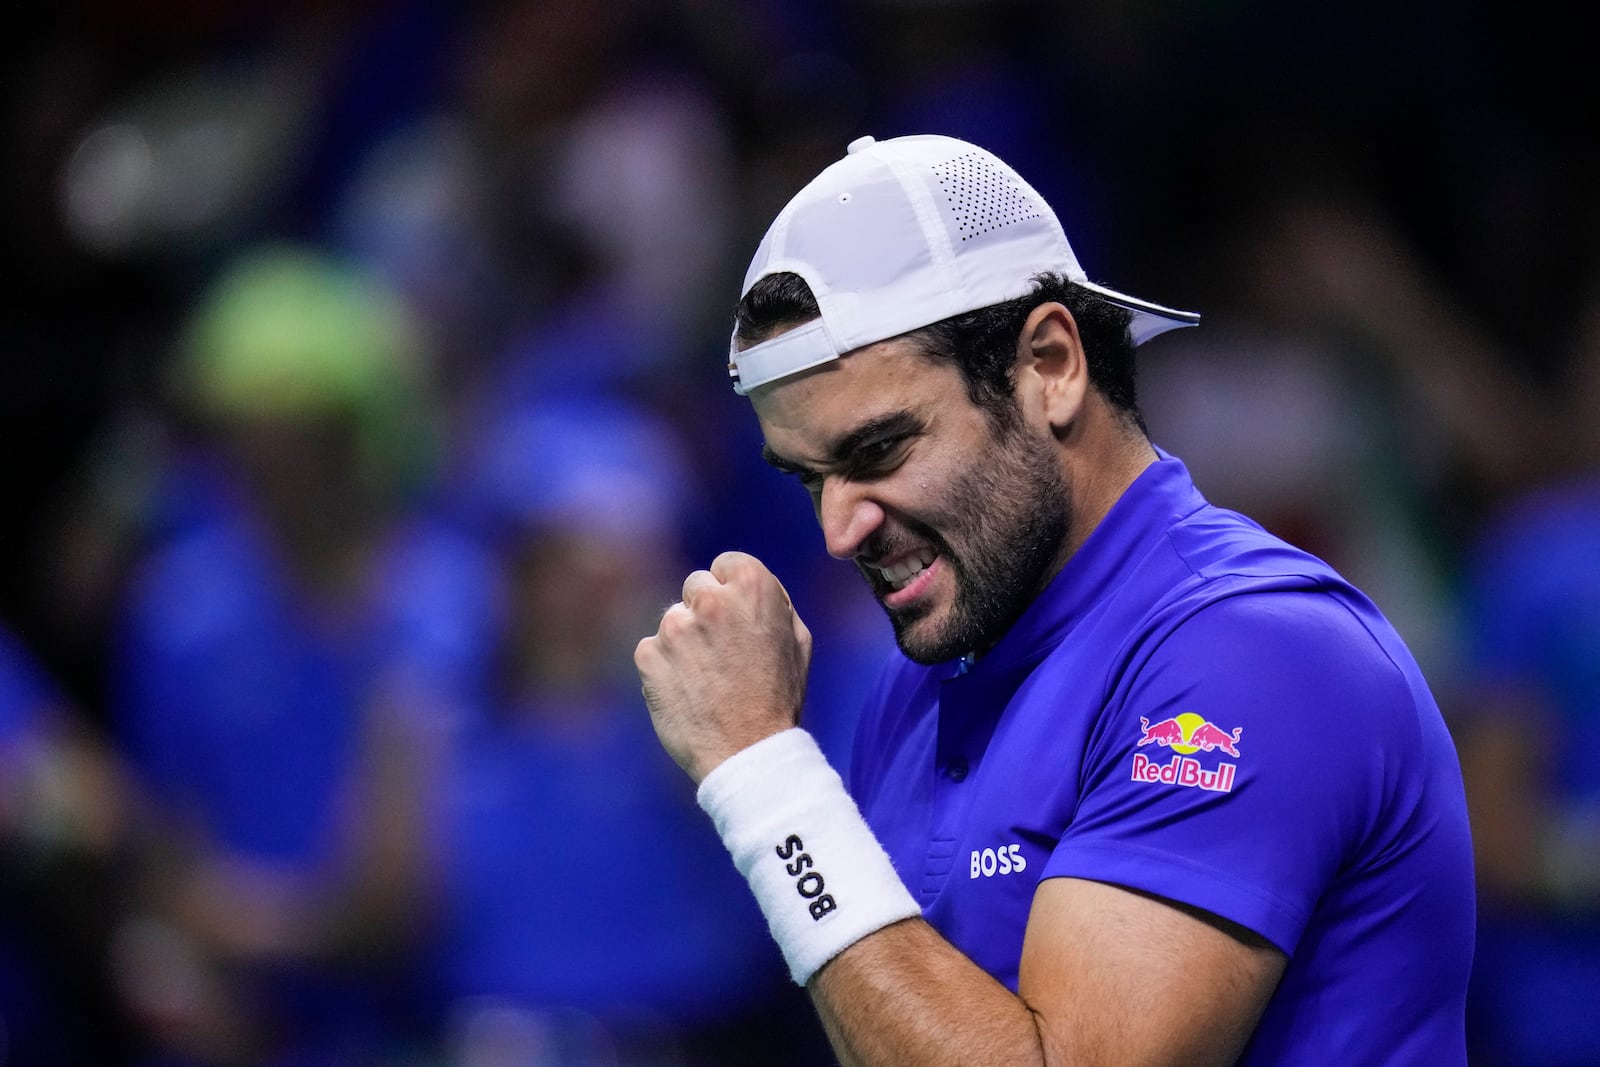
column 289, row 334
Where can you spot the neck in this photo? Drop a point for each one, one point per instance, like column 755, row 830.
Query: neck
column 1099, row 469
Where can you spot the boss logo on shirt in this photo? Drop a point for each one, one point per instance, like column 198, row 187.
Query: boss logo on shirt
column 808, row 883
column 1186, row 734
column 988, row 862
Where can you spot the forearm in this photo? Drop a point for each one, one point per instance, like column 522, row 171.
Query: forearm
column 889, row 989
column 906, row 996
column 1094, row 956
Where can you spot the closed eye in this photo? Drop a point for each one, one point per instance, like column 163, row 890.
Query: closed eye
column 871, row 450
column 812, row 480
column 877, row 457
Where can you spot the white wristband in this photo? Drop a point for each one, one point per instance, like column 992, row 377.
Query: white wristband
column 819, row 874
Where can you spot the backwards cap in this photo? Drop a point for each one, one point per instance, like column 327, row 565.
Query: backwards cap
column 903, row 233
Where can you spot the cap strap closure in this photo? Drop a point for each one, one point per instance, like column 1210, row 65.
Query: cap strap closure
column 788, row 353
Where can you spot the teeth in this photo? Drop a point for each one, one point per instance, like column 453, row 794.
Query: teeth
column 898, row 574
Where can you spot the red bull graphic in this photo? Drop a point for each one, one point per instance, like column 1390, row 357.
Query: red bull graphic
column 1187, row 734
column 1165, row 733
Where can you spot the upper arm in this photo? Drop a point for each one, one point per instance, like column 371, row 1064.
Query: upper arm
column 1115, row 976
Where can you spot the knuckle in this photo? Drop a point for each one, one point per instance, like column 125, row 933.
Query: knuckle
column 710, row 607
column 733, row 565
column 674, row 622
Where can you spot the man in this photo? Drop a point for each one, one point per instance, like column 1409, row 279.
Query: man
column 1151, row 786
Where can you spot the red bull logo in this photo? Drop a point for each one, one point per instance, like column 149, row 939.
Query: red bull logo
column 1187, row 734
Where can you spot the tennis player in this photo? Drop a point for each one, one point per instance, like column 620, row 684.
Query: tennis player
column 1148, row 785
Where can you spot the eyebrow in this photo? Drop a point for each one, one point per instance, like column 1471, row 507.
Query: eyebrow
column 894, row 424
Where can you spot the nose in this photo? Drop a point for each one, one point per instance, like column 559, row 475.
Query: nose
column 848, row 516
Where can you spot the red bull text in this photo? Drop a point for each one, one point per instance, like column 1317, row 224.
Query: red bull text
column 1183, row 770
column 1185, row 734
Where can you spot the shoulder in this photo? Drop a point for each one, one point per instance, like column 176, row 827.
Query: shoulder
column 1222, row 602
column 1217, row 543
column 1249, row 596
column 1325, row 710
column 1302, row 652
column 1265, row 639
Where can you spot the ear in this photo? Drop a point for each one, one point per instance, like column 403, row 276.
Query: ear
column 1052, row 371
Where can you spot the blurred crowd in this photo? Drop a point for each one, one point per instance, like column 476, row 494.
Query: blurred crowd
column 364, row 403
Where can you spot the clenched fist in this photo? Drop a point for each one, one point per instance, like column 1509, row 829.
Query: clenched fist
column 727, row 667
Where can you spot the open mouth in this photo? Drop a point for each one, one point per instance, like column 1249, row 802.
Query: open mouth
column 898, row 575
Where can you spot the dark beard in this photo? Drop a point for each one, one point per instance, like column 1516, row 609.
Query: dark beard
column 1010, row 520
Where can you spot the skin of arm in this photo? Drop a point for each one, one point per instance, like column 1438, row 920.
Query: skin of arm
column 1108, row 975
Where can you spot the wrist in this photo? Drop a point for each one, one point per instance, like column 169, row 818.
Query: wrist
column 701, row 765
column 822, row 879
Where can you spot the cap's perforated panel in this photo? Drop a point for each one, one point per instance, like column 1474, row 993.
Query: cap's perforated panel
column 981, row 196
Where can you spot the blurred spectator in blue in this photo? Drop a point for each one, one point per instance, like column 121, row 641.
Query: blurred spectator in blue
column 1529, row 707
column 249, row 645
column 579, row 912
column 66, row 818
column 1535, row 645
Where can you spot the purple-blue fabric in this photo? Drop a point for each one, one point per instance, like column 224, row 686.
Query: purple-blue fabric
column 1336, row 829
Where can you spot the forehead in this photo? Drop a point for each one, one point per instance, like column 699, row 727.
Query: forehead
column 802, row 414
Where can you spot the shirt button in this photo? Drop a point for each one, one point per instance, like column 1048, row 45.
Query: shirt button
column 957, row 770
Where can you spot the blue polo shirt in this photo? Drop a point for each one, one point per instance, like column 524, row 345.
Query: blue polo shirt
column 1197, row 710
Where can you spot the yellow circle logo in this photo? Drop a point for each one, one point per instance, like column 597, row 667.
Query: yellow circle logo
column 1189, row 722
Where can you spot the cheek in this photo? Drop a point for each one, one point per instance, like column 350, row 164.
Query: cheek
column 938, row 481
column 926, row 506
column 949, row 493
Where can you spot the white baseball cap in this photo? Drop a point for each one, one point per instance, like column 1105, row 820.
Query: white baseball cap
column 903, row 233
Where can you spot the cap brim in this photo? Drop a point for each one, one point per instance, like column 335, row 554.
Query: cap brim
column 1149, row 320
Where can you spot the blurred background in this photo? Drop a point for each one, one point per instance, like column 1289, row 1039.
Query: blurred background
column 362, row 403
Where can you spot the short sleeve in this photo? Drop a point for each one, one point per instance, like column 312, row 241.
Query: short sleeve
column 1244, row 760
